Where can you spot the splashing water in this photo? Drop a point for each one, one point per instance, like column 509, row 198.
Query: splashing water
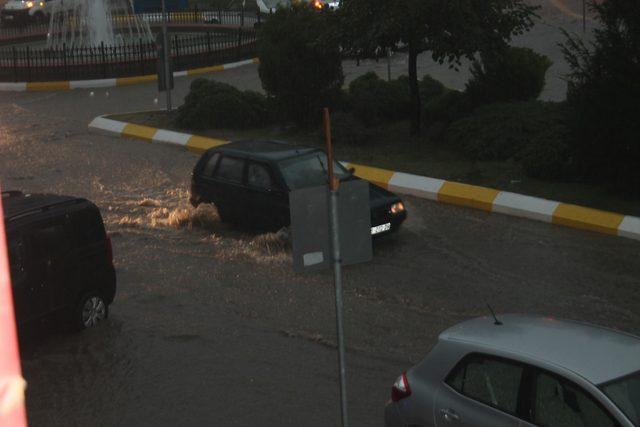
column 91, row 23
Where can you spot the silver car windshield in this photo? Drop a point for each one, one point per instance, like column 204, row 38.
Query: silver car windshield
column 625, row 393
column 309, row 171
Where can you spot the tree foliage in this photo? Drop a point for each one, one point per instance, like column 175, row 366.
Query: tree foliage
column 449, row 29
column 604, row 89
column 300, row 61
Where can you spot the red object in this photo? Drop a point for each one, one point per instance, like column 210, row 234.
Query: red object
column 12, row 385
column 400, row 388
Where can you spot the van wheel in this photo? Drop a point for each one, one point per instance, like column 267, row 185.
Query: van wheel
column 90, row 311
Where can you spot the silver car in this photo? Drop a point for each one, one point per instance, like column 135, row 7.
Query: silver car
column 522, row 371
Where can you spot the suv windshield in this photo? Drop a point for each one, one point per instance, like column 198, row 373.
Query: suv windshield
column 625, row 393
column 309, row 170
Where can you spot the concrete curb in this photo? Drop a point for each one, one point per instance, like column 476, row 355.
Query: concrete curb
column 455, row 193
column 113, row 82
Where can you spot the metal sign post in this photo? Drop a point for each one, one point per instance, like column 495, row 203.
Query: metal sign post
column 584, row 16
column 337, row 267
column 167, row 53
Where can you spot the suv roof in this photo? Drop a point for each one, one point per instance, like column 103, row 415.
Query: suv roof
column 264, row 149
column 597, row 354
column 16, row 203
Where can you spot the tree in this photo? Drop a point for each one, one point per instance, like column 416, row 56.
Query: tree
column 300, row 61
column 449, row 29
column 603, row 94
column 504, row 75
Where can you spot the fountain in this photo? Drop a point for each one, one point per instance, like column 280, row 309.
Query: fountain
column 91, row 23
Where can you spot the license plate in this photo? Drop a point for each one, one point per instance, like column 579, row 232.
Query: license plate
column 8, row 17
column 380, row 228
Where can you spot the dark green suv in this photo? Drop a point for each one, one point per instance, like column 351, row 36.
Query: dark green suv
column 249, row 182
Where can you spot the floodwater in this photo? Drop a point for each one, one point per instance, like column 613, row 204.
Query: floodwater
column 210, row 324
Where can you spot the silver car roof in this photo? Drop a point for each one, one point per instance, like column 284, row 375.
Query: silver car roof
column 597, row 354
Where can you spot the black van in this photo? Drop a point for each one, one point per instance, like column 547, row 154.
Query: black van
column 60, row 258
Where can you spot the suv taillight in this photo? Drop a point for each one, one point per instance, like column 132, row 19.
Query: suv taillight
column 400, row 388
column 109, row 249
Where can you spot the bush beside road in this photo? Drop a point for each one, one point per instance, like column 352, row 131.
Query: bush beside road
column 391, row 147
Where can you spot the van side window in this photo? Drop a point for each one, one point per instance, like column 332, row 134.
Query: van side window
column 48, row 241
column 230, row 169
column 210, row 166
column 492, row 381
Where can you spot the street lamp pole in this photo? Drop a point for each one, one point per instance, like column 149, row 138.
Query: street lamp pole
column 167, row 58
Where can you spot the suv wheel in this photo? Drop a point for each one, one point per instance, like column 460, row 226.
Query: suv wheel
column 90, row 311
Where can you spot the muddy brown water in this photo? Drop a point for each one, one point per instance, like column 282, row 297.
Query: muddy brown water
column 211, row 326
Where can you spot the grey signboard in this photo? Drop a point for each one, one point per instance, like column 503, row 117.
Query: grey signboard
column 310, row 231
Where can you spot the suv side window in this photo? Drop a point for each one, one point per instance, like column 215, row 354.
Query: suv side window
column 558, row 402
column 492, row 381
column 210, row 166
column 258, row 176
column 230, row 169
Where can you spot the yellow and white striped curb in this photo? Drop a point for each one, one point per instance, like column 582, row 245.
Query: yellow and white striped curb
column 195, row 143
column 113, row 82
column 456, row 193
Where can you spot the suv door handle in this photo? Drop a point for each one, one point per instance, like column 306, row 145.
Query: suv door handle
column 449, row 415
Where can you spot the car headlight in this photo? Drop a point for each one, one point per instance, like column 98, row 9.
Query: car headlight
column 397, row 208
column 29, row 4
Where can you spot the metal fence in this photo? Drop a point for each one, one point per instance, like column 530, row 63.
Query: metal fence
column 242, row 18
column 187, row 51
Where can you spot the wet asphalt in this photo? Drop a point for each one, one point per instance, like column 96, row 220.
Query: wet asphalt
column 212, row 327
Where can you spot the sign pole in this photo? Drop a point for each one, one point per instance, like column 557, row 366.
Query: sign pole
column 167, row 57
column 337, row 267
column 584, row 16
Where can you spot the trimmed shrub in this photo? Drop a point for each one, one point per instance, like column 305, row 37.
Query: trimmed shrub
column 447, row 107
column 430, row 89
column 347, row 130
column 511, row 74
column 300, row 62
column 373, row 100
column 533, row 133
column 211, row 104
column 547, row 156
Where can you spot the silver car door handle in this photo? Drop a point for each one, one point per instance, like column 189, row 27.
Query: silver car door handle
column 449, row 415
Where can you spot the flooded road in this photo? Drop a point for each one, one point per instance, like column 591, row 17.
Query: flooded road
column 210, row 325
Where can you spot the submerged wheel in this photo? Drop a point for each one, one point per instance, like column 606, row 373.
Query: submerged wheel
column 90, row 311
